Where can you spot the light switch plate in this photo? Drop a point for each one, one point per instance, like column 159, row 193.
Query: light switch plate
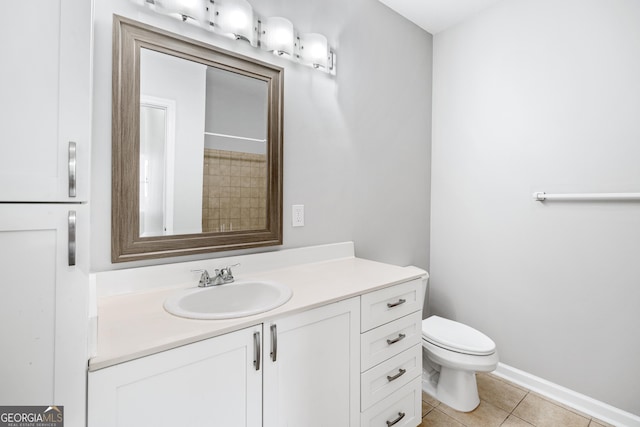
column 297, row 215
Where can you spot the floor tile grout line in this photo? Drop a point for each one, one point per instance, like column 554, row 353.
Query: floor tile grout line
column 563, row 406
column 515, row 407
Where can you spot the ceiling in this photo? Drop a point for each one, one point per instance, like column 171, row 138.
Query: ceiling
column 437, row 15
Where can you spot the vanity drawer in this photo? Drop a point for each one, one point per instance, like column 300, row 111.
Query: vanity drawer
column 388, row 340
column 389, row 304
column 404, row 407
column 387, row 377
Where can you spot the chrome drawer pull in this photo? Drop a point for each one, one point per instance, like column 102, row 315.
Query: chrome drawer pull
column 72, row 239
column 397, row 420
column 256, row 350
column 395, row 304
column 395, row 340
column 400, row 373
column 274, row 342
column 72, row 169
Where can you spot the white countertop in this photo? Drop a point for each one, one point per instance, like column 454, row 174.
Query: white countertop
column 134, row 325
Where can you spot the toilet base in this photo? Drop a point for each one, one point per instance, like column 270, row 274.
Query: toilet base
column 455, row 388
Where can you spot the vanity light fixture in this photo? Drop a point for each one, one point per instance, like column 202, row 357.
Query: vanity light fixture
column 233, row 18
column 238, row 20
column 314, row 50
column 181, row 9
column 278, row 36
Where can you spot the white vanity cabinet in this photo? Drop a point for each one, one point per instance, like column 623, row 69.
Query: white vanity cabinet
column 45, row 108
column 391, row 356
column 215, row 382
column 307, row 376
column 43, row 306
column 311, row 367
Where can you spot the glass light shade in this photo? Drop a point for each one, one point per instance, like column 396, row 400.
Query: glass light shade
column 278, row 36
column 194, row 9
column 314, row 50
column 234, row 18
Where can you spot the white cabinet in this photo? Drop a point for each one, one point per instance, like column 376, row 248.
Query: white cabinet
column 390, row 375
column 391, row 303
column 43, row 306
column 391, row 358
column 308, row 376
column 318, row 368
column 209, row 383
column 400, row 409
column 45, row 82
column 311, row 368
column 45, row 117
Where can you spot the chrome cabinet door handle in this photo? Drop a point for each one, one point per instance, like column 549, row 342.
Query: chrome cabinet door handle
column 395, row 340
column 400, row 373
column 256, row 350
column 397, row 420
column 274, row 342
column 395, row 304
column 72, row 169
column 72, row 238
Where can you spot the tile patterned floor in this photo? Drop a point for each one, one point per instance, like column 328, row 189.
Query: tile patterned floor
column 505, row 404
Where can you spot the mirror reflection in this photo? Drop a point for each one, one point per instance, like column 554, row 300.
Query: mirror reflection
column 203, row 148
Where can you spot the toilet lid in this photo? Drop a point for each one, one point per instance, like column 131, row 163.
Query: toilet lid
column 456, row 336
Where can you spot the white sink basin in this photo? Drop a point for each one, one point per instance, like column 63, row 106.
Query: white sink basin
column 237, row 299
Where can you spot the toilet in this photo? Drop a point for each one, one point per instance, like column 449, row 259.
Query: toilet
column 452, row 353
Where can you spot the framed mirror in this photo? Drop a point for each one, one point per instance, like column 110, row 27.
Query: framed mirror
column 197, row 147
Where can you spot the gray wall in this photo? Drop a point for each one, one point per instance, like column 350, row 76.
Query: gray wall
column 356, row 146
column 236, row 104
column 542, row 95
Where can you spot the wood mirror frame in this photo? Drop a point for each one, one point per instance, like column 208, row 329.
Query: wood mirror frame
column 126, row 243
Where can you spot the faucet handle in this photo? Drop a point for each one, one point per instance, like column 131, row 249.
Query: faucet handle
column 205, row 279
column 227, row 274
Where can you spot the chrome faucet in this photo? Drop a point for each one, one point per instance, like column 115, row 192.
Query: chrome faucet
column 205, row 279
column 221, row 276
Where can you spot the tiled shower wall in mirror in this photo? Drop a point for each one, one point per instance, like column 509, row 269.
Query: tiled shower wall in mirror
column 234, row 191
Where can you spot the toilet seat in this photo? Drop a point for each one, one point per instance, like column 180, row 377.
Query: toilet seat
column 457, row 337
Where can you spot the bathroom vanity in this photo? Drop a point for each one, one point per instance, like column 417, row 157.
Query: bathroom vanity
column 343, row 351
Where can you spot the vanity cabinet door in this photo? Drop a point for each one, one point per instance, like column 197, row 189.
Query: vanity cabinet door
column 209, row 383
column 45, row 107
column 43, row 307
column 311, row 369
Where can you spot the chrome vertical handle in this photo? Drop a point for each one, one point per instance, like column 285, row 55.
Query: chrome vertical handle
column 397, row 420
column 72, row 238
column 72, row 169
column 274, row 342
column 256, row 350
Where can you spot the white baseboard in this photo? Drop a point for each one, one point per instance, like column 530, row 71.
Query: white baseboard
column 580, row 402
